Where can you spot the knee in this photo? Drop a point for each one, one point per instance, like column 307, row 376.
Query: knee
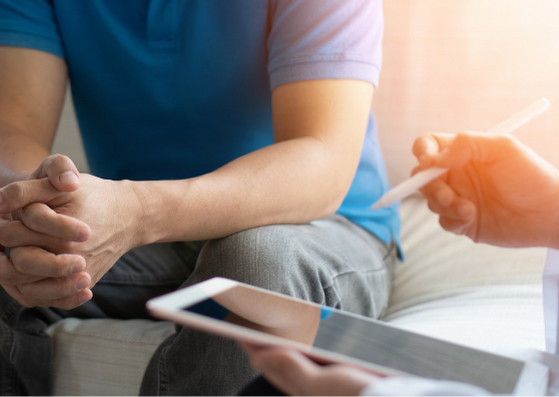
column 274, row 257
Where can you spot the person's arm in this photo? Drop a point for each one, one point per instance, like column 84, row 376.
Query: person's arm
column 30, row 103
column 498, row 191
column 319, row 129
column 32, row 89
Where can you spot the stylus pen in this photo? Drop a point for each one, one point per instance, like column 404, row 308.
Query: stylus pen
column 422, row 178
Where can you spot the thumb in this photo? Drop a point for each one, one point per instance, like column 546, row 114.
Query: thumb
column 61, row 172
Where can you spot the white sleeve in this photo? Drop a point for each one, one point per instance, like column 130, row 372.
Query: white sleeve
column 550, row 285
column 399, row 386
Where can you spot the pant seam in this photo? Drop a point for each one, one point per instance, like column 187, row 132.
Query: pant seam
column 8, row 309
column 9, row 387
column 164, row 383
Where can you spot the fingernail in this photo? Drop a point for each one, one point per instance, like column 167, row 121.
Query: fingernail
column 78, row 267
column 82, row 283
column 82, row 234
column 68, row 178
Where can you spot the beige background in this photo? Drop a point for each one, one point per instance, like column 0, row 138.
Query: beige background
column 451, row 65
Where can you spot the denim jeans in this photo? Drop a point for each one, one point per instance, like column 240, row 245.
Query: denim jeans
column 331, row 261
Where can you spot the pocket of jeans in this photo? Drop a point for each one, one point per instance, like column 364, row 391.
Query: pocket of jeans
column 363, row 292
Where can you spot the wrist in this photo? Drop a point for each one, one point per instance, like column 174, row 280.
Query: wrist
column 136, row 210
column 156, row 212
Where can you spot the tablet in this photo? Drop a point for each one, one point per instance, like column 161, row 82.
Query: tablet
column 245, row 313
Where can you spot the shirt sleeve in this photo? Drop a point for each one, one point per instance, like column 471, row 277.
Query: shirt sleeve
column 30, row 24
column 325, row 39
column 550, row 287
column 397, row 386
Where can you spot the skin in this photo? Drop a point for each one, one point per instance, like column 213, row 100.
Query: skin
column 498, row 191
column 295, row 374
column 66, row 229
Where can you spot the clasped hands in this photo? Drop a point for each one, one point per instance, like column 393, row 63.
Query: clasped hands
column 65, row 231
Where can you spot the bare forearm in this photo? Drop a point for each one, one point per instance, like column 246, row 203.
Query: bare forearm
column 319, row 128
column 20, row 154
column 295, row 181
column 32, row 89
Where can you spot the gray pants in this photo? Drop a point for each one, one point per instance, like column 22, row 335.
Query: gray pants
column 331, row 262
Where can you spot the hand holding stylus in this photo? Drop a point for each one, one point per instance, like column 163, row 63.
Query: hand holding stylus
column 496, row 191
column 420, row 179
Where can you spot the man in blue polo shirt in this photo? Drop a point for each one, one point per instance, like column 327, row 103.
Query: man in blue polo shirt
column 225, row 138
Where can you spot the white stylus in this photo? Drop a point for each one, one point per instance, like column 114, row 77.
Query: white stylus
column 422, row 178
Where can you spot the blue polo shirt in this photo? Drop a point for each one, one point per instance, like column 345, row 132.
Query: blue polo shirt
column 173, row 89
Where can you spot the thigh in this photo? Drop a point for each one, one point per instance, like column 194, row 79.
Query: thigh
column 139, row 275
column 332, row 262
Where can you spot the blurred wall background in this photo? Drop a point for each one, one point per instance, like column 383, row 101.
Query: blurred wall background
column 449, row 65
column 67, row 140
column 466, row 65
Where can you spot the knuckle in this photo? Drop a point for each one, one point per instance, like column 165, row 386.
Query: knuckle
column 3, row 236
column 67, row 228
column 507, row 142
column 58, row 269
column 432, row 205
column 25, row 301
column 7, row 235
column 31, row 215
column 28, row 304
column 57, row 160
column 27, row 292
column 463, row 138
column 23, row 264
column 8, row 280
column 60, row 164
column 64, row 247
column 60, row 158
column 7, row 275
column 15, row 193
column 445, row 223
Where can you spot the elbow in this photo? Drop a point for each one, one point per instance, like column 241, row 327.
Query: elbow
column 331, row 203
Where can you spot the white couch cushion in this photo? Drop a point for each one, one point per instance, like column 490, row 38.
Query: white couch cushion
column 474, row 294
column 103, row 357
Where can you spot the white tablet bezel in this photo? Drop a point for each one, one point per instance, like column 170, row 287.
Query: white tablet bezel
column 170, row 307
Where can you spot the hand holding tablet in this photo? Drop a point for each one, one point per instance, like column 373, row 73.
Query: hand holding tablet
column 249, row 314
